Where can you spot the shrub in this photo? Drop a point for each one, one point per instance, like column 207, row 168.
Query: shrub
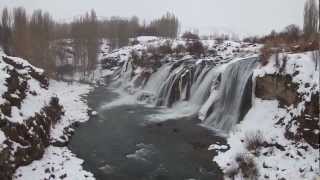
column 165, row 48
column 195, row 48
column 247, row 166
column 265, row 54
column 253, row 141
column 190, row 36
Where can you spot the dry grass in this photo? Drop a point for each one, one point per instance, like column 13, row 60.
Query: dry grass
column 246, row 167
column 254, row 141
column 280, row 44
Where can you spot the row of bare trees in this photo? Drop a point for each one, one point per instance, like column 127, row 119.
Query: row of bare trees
column 84, row 32
column 118, row 30
column 311, row 18
column 32, row 37
column 293, row 33
column 40, row 39
column 27, row 37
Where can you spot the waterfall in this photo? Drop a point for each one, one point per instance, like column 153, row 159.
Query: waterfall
column 201, row 88
column 224, row 106
column 155, row 81
column 221, row 95
column 181, row 81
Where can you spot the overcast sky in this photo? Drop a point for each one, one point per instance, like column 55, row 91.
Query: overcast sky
column 241, row 16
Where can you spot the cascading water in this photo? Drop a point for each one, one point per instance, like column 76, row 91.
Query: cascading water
column 226, row 102
column 181, row 81
column 218, row 96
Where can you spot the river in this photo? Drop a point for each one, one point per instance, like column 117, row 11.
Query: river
column 121, row 144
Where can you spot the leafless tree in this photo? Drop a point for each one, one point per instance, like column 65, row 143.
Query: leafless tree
column 6, row 33
column 311, row 18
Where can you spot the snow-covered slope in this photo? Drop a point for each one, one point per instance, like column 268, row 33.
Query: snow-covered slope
column 279, row 136
column 32, row 117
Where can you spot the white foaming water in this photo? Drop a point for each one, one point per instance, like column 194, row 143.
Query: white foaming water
column 202, row 87
column 188, row 88
column 226, row 102
column 178, row 110
column 156, row 79
column 123, row 99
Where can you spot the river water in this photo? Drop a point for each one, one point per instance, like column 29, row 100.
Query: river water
column 121, row 144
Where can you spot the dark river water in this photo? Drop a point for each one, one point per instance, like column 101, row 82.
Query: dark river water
column 118, row 144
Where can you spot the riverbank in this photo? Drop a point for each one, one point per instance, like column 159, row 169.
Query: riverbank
column 58, row 162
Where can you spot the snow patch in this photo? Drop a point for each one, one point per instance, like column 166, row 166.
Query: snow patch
column 57, row 163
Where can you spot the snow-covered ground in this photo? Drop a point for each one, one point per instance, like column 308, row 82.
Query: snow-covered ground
column 226, row 50
column 280, row 157
column 56, row 163
column 75, row 107
column 59, row 161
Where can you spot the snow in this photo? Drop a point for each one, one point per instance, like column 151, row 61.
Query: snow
column 297, row 159
column 31, row 104
column 59, row 160
column 57, row 163
column 24, row 63
column 262, row 118
column 74, row 106
column 299, row 66
column 2, row 139
column 143, row 39
column 217, row 147
column 94, row 113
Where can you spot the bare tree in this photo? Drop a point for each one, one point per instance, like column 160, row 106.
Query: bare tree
column 311, row 18
column 86, row 42
column 292, row 32
column 6, row 34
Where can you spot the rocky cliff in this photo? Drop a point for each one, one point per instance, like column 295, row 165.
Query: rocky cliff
column 27, row 113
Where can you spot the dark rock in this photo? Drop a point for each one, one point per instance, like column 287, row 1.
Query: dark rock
column 280, row 87
column 34, row 133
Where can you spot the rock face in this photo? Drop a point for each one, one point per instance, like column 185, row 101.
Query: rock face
column 309, row 123
column 25, row 140
column 281, row 88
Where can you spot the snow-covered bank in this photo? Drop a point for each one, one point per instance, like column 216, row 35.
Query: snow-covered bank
column 27, row 112
column 75, row 107
column 59, row 162
column 279, row 136
column 34, row 114
column 56, row 163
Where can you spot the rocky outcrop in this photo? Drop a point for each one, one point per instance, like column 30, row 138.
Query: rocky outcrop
column 280, row 87
column 25, row 141
column 309, row 123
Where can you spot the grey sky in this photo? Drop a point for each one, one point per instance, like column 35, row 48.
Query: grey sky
column 241, row 16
